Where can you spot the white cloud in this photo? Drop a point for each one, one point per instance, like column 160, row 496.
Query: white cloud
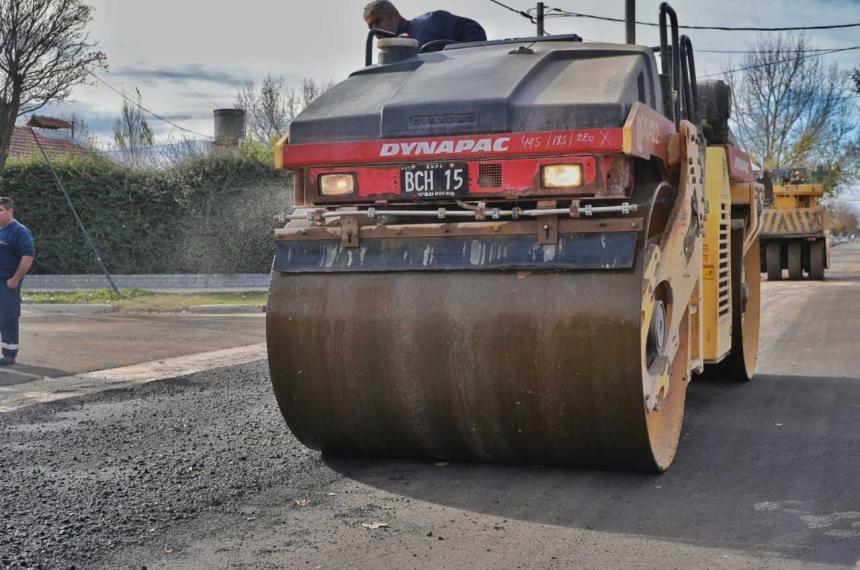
column 211, row 47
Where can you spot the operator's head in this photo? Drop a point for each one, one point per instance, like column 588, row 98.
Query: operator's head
column 6, row 211
column 382, row 14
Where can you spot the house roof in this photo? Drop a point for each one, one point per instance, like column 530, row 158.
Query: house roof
column 49, row 123
column 22, row 145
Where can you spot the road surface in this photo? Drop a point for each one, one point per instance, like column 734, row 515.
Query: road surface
column 200, row 472
column 63, row 344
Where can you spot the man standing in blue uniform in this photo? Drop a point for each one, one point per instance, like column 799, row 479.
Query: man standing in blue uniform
column 437, row 25
column 16, row 258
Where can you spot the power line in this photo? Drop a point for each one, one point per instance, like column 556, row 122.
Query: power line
column 823, row 51
column 515, row 11
column 71, row 205
column 155, row 147
column 806, row 56
column 743, row 51
column 139, row 105
column 559, row 13
column 170, row 76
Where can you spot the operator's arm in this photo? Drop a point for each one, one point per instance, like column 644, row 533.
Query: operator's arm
column 23, row 267
column 467, row 30
column 27, row 251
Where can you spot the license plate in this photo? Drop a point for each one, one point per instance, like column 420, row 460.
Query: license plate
column 434, row 180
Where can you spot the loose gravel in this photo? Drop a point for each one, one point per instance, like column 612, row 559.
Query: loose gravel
column 83, row 477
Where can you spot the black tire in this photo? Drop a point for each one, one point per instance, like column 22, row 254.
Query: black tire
column 817, row 254
column 774, row 270
column 795, row 261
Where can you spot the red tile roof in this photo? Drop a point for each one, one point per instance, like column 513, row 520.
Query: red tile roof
column 23, row 145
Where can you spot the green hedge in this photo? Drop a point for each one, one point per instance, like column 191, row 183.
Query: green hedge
column 205, row 215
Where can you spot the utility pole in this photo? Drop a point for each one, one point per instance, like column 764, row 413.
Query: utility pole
column 540, row 19
column 630, row 20
column 84, row 231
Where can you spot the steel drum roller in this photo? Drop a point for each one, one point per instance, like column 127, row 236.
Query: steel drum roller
column 540, row 367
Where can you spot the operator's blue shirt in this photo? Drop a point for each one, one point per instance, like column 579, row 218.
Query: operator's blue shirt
column 16, row 241
column 442, row 25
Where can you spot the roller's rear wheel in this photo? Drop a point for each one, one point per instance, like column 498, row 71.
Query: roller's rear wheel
column 774, row 269
column 795, row 261
column 741, row 362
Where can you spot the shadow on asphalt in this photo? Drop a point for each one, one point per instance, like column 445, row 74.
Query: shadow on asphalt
column 829, row 277
column 767, row 467
column 22, row 373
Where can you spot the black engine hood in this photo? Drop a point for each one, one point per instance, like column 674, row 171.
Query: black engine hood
column 486, row 88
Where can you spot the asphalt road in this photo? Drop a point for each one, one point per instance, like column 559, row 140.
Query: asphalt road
column 199, row 472
column 56, row 345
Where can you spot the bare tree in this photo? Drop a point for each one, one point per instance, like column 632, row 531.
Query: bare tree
column 856, row 78
column 792, row 109
column 80, row 129
column 311, row 90
column 44, row 51
column 132, row 134
column 842, row 220
column 273, row 106
column 268, row 109
column 179, row 149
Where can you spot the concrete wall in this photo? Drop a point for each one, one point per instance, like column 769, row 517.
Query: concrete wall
column 180, row 282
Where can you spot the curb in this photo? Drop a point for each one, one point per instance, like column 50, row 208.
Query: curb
column 151, row 282
column 74, row 308
column 227, row 309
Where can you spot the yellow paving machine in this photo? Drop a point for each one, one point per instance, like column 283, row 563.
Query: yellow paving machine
column 794, row 232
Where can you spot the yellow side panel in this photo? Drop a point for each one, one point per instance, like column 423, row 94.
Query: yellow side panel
column 816, row 190
column 785, row 202
column 716, row 258
column 743, row 192
column 279, row 152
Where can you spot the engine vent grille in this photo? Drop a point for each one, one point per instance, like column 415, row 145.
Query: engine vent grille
column 725, row 282
column 490, row 175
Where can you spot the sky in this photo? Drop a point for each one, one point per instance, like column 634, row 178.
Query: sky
column 188, row 57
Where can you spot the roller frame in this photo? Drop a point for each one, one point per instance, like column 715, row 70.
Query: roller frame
column 669, row 264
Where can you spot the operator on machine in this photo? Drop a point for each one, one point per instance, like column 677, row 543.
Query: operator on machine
column 432, row 26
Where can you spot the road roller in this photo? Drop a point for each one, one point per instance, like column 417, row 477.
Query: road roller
column 794, row 233
column 515, row 251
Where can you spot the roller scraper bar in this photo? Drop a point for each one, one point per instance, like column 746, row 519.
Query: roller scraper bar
column 443, row 213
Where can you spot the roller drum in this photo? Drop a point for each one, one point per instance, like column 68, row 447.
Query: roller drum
column 541, row 367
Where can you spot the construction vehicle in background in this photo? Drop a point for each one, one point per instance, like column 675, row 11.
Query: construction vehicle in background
column 514, row 251
column 794, row 232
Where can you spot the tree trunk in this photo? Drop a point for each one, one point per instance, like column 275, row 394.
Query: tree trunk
column 8, row 116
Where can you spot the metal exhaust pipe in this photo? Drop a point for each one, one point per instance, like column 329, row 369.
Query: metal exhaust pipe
column 630, row 20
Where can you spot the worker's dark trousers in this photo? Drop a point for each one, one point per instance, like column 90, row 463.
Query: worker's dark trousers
column 10, row 311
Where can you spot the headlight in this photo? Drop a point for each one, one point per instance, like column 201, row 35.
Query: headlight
column 562, row 176
column 337, row 184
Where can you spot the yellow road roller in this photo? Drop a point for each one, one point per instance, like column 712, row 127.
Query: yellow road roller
column 794, row 232
column 513, row 251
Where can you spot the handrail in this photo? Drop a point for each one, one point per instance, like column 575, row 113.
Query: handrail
column 368, row 47
column 691, row 89
column 673, row 67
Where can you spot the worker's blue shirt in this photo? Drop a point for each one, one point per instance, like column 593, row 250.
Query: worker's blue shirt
column 442, row 25
column 16, row 241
